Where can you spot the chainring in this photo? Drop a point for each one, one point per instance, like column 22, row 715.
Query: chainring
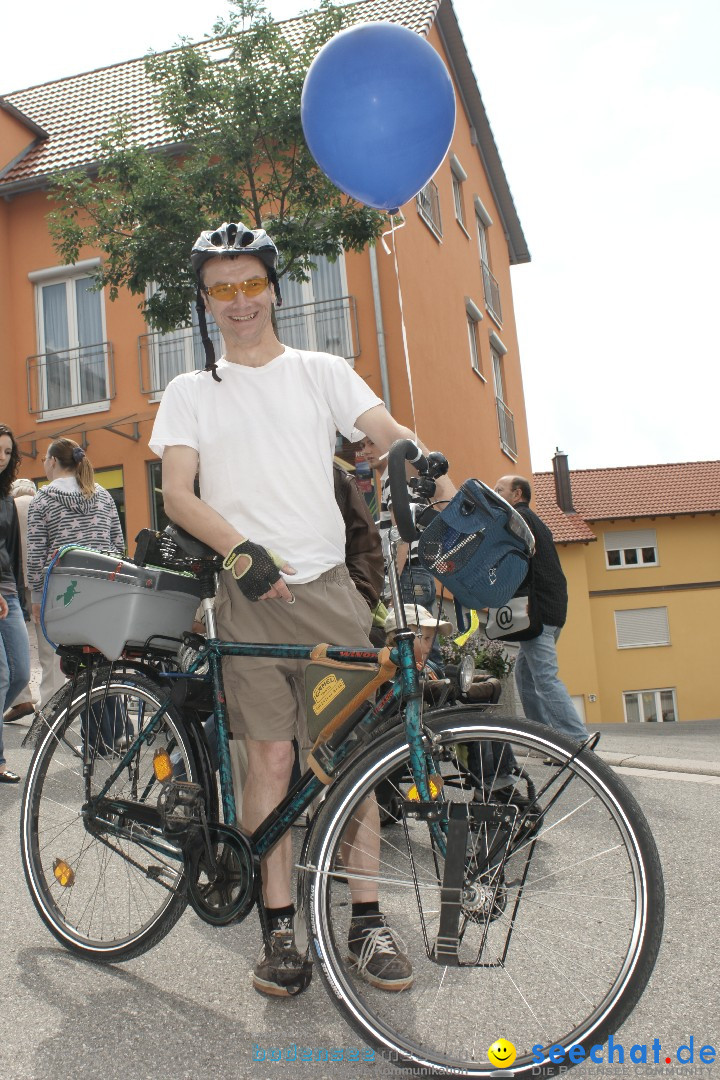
column 227, row 893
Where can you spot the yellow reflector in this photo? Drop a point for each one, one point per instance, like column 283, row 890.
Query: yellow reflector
column 414, row 796
column 162, row 765
column 64, row 873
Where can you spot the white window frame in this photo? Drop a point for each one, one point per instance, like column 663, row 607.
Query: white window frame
column 497, row 351
column 474, row 317
column 630, row 540
column 654, row 640
column 658, row 709
column 428, row 204
column 68, row 275
column 184, row 338
column 307, row 297
column 458, row 176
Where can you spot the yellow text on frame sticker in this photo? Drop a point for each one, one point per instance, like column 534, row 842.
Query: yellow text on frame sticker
column 325, row 692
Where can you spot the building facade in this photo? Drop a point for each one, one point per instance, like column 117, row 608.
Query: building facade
column 77, row 364
column 640, row 547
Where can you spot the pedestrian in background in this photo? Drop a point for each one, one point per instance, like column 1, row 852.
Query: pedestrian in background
column 23, row 491
column 72, row 509
column 543, row 695
column 14, row 644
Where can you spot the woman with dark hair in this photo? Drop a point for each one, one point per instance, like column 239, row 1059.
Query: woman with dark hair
column 14, row 644
column 72, row 509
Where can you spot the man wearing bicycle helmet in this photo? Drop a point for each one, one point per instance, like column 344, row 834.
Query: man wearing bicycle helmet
column 260, row 424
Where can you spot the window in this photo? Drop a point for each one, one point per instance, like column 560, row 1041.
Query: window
column 72, row 368
column 459, row 176
column 638, row 628
column 428, row 204
column 483, row 221
column 318, row 314
column 636, row 547
column 163, row 356
column 474, row 318
column 158, row 517
column 506, row 420
column 650, row 706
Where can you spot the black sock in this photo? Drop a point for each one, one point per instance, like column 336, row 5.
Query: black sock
column 362, row 911
column 276, row 915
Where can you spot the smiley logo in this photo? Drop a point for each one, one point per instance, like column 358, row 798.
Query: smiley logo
column 502, row 1053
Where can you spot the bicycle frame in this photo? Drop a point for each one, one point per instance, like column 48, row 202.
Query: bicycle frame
column 405, row 691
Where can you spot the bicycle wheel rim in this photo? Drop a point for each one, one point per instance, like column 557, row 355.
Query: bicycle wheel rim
column 546, row 991
column 120, row 895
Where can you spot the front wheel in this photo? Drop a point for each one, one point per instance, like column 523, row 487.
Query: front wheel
column 528, row 897
column 108, row 888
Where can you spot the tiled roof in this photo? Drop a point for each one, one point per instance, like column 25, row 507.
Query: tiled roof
column 78, row 111
column 689, row 487
column 566, row 528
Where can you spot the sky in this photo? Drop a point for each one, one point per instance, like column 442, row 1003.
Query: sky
column 607, row 118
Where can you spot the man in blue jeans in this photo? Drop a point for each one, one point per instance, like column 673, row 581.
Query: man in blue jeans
column 543, row 695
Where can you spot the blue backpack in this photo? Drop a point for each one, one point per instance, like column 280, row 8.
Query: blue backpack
column 479, row 547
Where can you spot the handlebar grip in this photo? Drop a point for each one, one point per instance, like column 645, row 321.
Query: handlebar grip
column 401, row 451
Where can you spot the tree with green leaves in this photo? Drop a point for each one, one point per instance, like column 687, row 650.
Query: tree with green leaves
column 234, row 151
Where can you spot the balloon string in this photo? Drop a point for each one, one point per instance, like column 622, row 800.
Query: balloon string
column 391, row 234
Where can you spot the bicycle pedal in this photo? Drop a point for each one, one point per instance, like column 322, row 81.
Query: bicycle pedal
column 180, row 804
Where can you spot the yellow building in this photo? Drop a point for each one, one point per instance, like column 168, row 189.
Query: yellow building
column 640, row 547
column 74, row 363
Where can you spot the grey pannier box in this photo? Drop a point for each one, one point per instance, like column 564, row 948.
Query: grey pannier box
column 107, row 602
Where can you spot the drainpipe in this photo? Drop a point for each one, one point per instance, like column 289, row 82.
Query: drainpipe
column 563, row 487
column 379, row 326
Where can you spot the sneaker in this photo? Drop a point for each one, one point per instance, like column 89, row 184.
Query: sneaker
column 375, row 951
column 281, row 971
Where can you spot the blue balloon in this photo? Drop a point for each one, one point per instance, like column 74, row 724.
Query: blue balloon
column 378, row 112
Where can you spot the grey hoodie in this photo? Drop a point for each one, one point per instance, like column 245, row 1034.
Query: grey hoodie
column 57, row 517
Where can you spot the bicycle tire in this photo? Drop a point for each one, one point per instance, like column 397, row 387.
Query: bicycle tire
column 573, row 915
column 121, row 896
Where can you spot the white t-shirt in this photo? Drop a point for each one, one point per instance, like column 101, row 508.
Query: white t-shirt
column 266, row 437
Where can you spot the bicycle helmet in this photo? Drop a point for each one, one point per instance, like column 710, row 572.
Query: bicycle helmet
column 230, row 239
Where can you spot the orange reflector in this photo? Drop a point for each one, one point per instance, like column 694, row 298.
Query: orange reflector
column 64, row 874
column 162, row 765
column 414, row 796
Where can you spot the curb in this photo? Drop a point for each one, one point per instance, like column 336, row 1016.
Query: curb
column 660, row 764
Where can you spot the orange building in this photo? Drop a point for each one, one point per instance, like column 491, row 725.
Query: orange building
column 75, row 363
column 640, row 547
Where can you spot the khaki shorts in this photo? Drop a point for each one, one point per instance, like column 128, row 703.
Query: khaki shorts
column 265, row 695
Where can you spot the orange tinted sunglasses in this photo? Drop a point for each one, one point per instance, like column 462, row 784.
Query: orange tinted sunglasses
column 226, row 290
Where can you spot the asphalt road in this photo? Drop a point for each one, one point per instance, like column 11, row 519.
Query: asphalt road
column 187, row 1010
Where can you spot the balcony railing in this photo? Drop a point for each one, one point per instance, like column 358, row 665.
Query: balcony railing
column 506, row 424
column 71, row 378
column 492, row 293
column 325, row 325
column 428, row 205
column 163, row 356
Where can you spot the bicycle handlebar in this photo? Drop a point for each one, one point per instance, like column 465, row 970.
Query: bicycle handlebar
column 401, row 451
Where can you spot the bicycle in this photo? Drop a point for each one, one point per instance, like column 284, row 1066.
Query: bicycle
column 532, row 912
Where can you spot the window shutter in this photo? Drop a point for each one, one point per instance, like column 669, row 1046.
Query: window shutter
column 641, row 627
column 632, row 538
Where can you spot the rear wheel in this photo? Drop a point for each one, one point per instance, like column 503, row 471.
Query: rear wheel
column 107, row 887
column 553, row 931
